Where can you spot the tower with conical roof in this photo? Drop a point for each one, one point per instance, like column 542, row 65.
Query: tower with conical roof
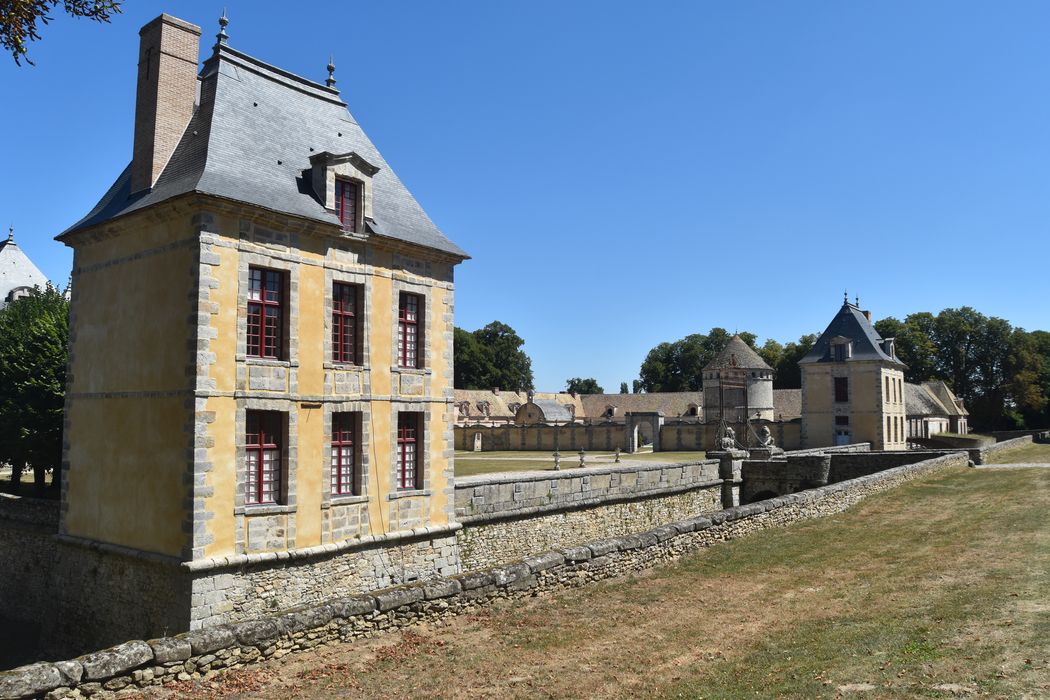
column 853, row 386
column 738, row 386
column 18, row 274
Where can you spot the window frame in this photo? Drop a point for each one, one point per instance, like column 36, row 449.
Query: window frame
column 341, row 319
column 409, row 439
column 263, row 303
column 345, row 440
column 341, row 185
column 269, row 424
column 416, row 325
column 841, row 389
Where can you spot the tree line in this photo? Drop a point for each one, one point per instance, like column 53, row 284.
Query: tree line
column 1001, row 372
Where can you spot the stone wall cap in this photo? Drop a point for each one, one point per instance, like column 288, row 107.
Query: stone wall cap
column 29, row 681
column 114, row 661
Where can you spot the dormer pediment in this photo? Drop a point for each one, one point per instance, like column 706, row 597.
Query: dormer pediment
column 328, row 168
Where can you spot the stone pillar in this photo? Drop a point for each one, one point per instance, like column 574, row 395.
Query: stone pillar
column 730, row 463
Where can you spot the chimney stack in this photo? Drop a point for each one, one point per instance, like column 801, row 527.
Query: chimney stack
column 165, row 97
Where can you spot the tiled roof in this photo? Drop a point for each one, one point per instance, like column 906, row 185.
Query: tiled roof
column 251, row 139
column 17, row 270
column 949, row 400
column 672, row 404
column 553, row 411
column 918, row 401
column 850, row 322
column 737, row 353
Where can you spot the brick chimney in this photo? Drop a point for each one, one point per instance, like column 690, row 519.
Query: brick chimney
column 165, row 97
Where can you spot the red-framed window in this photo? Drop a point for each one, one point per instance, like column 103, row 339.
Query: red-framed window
column 265, row 312
column 262, row 483
column 346, row 203
column 841, row 389
column 344, row 322
column 408, row 330
column 344, row 459
column 409, row 463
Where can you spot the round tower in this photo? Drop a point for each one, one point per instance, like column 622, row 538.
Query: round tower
column 738, row 385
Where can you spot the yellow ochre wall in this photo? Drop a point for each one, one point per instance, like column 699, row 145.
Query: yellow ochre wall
column 127, row 417
column 305, row 526
column 867, row 407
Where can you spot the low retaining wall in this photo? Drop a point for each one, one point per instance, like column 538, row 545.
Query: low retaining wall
column 513, row 515
column 203, row 653
column 978, row 455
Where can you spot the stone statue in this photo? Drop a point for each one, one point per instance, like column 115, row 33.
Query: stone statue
column 727, row 441
column 765, row 438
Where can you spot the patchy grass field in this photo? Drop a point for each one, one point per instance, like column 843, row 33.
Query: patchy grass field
column 471, row 463
column 1034, row 452
column 938, row 589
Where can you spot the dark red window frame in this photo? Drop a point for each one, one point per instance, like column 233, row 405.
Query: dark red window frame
column 409, row 437
column 841, row 389
column 408, row 330
column 344, row 457
column 346, row 192
column 263, row 459
column 265, row 312
column 344, row 323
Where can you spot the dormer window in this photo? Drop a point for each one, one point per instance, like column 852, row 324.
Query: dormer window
column 841, row 349
column 343, row 184
column 346, row 203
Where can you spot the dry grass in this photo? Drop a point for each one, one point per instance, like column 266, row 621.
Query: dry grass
column 1035, row 452
column 936, row 589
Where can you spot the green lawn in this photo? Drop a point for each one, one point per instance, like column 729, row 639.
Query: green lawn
column 471, row 463
column 1029, row 453
column 937, row 589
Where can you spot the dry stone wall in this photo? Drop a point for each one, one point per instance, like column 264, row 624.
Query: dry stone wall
column 204, row 653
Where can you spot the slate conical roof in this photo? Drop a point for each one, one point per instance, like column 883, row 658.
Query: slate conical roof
column 739, row 354
column 850, row 322
column 17, row 270
column 250, row 140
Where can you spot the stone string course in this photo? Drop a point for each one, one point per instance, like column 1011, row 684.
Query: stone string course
column 203, row 653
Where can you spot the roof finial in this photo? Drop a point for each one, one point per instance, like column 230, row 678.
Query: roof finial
column 222, row 36
column 10, row 233
column 331, row 71
column 857, row 299
column 845, row 296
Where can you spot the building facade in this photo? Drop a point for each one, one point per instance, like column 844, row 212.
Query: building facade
column 738, row 385
column 853, row 386
column 260, row 407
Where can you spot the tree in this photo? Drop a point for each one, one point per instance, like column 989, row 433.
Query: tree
column 678, row 366
column 788, row 374
column 576, row 385
column 490, row 357
column 623, row 387
column 18, row 20
column 637, row 387
column 33, row 340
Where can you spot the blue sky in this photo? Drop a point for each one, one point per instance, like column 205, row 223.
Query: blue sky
column 625, row 174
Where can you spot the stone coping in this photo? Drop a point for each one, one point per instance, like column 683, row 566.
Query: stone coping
column 570, row 472
column 236, row 560
column 204, row 651
column 482, row 518
column 576, row 472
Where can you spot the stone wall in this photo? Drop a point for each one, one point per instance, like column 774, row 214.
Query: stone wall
column 511, row 516
column 254, row 586
column 204, row 653
column 27, row 551
column 567, row 438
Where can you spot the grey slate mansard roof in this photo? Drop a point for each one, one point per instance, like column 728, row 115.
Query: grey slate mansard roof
column 553, row 411
column 850, row 322
column 250, row 140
